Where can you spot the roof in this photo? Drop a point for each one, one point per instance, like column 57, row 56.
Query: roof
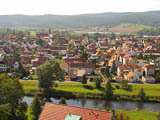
column 129, row 75
column 130, row 67
column 59, row 48
column 118, row 77
column 75, row 60
column 81, row 65
column 52, row 111
column 149, row 66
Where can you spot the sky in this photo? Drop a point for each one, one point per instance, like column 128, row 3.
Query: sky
column 73, row 7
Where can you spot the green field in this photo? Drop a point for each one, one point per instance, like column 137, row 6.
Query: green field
column 32, row 33
column 151, row 90
column 142, row 115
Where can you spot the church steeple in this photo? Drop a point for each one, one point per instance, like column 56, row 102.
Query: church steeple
column 49, row 30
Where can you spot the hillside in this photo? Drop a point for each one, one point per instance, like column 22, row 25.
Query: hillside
column 82, row 21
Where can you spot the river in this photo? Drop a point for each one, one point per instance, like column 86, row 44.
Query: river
column 102, row 104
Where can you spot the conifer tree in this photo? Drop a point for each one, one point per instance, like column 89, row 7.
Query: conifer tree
column 108, row 91
column 36, row 107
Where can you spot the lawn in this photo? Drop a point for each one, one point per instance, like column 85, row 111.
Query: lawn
column 142, row 115
column 59, row 60
column 151, row 90
column 29, row 85
column 32, row 33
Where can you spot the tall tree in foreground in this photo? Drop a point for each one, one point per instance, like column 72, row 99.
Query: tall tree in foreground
column 12, row 106
column 36, row 107
column 47, row 73
column 4, row 112
column 108, row 91
column 142, row 95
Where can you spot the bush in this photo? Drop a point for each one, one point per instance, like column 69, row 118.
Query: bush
column 117, row 87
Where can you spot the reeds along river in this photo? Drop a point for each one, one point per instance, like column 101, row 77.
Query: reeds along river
column 103, row 104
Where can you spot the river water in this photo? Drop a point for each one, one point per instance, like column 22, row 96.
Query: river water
column 103, row 104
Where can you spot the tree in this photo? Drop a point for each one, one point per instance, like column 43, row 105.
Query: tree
column 56, row 41
column 36, row 107
column 113, row 69
column 97, row 82
column 84, row 80
column 108, row 91
column 4, row 112
column 107, row 71
column 21, row 72
column 158, row 116
column 142, row 95
column 12, row 106
column 47, row 73
column 40, row 42
column 144, row 73
column 62, row 101
column 140, row 56
column 83, row 54
column 124, row 84
column 157, row 77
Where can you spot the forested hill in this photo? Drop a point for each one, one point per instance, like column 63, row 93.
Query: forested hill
column 151, row 18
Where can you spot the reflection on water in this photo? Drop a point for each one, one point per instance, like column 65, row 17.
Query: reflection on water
column 103, row 104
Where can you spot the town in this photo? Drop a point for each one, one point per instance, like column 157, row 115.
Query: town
column 71, row 64
column 109, row 56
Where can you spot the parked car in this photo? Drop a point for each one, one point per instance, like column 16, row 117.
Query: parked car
column 61, row 80
column 25, row 78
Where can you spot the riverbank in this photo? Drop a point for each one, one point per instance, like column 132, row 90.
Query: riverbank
column 70, row 90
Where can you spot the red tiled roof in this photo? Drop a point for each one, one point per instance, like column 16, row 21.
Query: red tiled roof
column 53, row 111
column 130, row 67
column 149, row 66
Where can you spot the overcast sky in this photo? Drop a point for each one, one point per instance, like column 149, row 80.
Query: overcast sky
column 72, row 7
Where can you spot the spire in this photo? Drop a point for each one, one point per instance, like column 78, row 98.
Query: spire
column 49, row 30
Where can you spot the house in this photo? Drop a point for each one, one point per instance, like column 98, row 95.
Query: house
column 118, row 78
column 11, row 63
column 82, row 66
column 75, row 60
column 149, row 69
column 148, row 79
column 52, row 111
column 3, row 67
column 132, row 77
column 124, row 69
column 60, row 50
column 103, row 46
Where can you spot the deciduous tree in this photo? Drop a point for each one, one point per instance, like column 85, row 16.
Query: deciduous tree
column 47, row 73
column 11, row 99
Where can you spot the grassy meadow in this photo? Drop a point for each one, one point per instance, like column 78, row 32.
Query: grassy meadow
column 150, row 90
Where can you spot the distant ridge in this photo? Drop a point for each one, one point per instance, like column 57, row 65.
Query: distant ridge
column 151, row 18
